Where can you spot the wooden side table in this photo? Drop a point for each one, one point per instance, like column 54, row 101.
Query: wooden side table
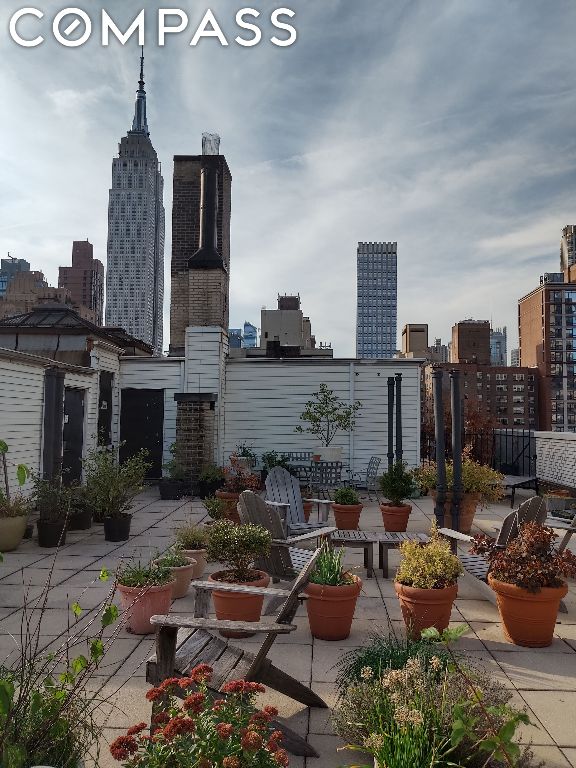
column 360, row 540
column 389, row 540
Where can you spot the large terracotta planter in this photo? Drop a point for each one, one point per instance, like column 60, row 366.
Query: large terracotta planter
column 182, row 576
column 12, row 531
column 236, row 606
column 307, row 506
column 528, row 618
column 422, row 608
column 231, row 500
column 199, row 558
column 395, row 518
column 468, row 506
column 347, row 516
column 141, row 603
column 331, row 609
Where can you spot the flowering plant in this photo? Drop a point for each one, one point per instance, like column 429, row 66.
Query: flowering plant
column 529, row 561
column 237, row 480
column 203, row 733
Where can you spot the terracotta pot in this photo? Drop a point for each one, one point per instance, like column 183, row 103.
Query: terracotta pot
column 331, row 609
column 231, row 500
column 236, row 606
column 468, row 507
column 395, row 518
column 141, row 603
column 308, row 507
column 199, row 558
column 182, row 576
column 12, row 531
column 528, row 618
column 316, row 456
column 347, row 516
column 422, row 608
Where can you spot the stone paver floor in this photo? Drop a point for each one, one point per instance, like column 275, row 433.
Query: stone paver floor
column 544, row 680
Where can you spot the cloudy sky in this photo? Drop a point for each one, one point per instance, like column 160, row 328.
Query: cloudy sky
column 448, row 126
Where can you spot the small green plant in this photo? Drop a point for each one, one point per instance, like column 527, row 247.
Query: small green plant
column 246, row 452
column 428, row 566
column 327, row 414
column 272, row 459
column 215, row 507
column 172, row 558
column 192, row 537
column 328, row 568
column 396, row 483
column 12, row 506
column 175, row 466
column 346, row 496
column 237, row 546
column 211, row 474
column 138, row 575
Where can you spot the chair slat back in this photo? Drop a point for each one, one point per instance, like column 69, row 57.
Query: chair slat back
column 532, row 510
column 325, row 474
column 282, row 487
column 372, row 473
column 253, row 509
column 298, row 455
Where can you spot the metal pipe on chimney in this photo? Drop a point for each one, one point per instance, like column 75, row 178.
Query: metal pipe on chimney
column 208, row 207
column 390, row 421
column 457, row 487
column 440, row 446
column 399, row 452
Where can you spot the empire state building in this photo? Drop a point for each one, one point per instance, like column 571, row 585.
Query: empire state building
column 135, row 275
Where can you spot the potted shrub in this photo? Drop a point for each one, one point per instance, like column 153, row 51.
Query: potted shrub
column 173, row 487
column 217, row 509
column 145, row 590
column 52, row 500
column 396, row 485
column 80, row 518
column 192, row 540
column 181, row 568
column 272, row 459
column 347, row 508
column 112, row 488
column 528, row 577
column 427, row 583
column 332, row 593
column 236, row 547
column 236, row 481
column 326, row 415
column 211, row 478
column 14, row 510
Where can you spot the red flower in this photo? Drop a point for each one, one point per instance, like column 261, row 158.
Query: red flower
column 169, row 683
column 272, row 712
column 242, row 687
column 122, row 747
column 231, row 762
column 259, row 719
column 194, row 702
column 177, row 727
column 272, row 746
column 218, row 704
column 154, row 694
column 204, row 763
column 281, row 758
column 186, row 682
column 201, row 674
column 251, row 741
column 161, row 718
column 225, row 730
column 136, row 729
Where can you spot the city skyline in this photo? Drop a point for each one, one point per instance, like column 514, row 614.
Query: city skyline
column 469, row 169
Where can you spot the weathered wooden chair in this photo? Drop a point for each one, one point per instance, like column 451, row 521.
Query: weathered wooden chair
column 568, row 526
column 283, row 490
column 476, row 566
column 183, row 642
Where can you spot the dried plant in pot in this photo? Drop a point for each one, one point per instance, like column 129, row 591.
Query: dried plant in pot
column 192, row 540
column 181, row 567
column 427, row 583
column 145, row 590
column 528, row 576
column 396, row 484
column 347, row 508
column 14, row 508
column 237, row 547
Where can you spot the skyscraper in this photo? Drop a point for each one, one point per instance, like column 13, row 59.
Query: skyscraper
column 568, row 247
column 85, row 278
column 135, row 275
column 9, row 268
column 377, row 303
column 498, row 346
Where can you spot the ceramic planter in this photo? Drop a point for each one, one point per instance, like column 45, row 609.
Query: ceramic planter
column 172, row 490
column 12, row 530
column 528, row 618
column 117, row 528
column 141, row 603
column 395, row 518
column 182, row 576
column 231, row 500
column 51, row 534
column 199, row 558
column 331, row 609
column 468, row 506
column 347, row 516
column 236, row 606
column 422, row 608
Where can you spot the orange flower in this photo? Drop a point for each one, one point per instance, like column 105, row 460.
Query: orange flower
column 231, row 762
column 177, row 727
column 136, row 729
column 201, row 674
column 271, row 712
column 154, row 694
column 281, row 758
column 251, row 741
column 194, row 702
column 122, row 747
column 225, row 730
column 161, row 718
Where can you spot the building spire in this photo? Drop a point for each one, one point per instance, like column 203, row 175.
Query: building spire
column 140, row 123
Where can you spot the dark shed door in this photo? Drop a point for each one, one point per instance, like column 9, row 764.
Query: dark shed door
column 73, row 435
column 142, row 426
column 105, row 408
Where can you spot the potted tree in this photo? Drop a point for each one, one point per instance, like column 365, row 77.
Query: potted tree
column 173, row 487
column 53, row 500
column 326, row 415
column 80, row 518
column 347, row 508
column 181, row 568
column 112, row 488
column 211, row 478
column 192, row 540
column 396, row 484
column 332, row 594
column 236, row 547
column 427, row 583
column 528, row 577
column 14, row 509
column 237, row 480
column 145, row 590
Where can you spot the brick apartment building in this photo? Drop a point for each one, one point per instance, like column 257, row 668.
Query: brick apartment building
column 471, row 342
column 85, row 279
column 28, row 290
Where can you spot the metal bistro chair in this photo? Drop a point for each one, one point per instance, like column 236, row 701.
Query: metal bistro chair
column 370, row 480
column 325, row 476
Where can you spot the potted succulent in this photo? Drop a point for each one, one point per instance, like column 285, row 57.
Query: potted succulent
column 427, row 583
column 332, row 594
column 192, row 540
column 211, row 478
column 396, row 484
column 347, row 508
column 181, row 568
column 14, row 509
column 112, row 487
column 174, row 486
column 145, row 591
column 528, row 576
column 80, row 518
column 237, row 480
column 236, row 547
column 53, row 503
column 326, row 415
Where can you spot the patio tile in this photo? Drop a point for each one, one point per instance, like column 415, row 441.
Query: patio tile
column 67, row 562
column 124, row 702
column 570, row 755
column 552, row 757
column 478, row 610
column 331, row 753
column 36, row 577
column 320, row 721
column 531, row 670
column 16, row 595
column 324, row 660
column 555, row 710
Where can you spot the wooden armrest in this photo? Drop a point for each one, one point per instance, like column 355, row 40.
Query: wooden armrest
column 312, row 535
column 562, row 525
column 276, row 503
column 448, row 532
column 189, row 622
column 222, row 586
column 319, row 501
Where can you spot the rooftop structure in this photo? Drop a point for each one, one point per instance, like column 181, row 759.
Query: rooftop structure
column 377, row 304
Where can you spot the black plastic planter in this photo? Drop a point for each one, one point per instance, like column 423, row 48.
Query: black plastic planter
column 51, row 534
column 171, row 490
column 117, row 528
column 208, row 488
column 80, row 521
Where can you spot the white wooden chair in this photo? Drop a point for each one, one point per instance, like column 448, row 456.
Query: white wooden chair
column 283, row 491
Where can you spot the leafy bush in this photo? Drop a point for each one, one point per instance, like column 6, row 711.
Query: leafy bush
column 476, row 478
column 272, row 459
column 12, row 506
column 215, row 507
column 192, row 536
column 529, row 561
column 328, row 568
column 138, row 575
column 327, row 414
column 346, row 496
column 175, row 466
column 53, row 499
column 428, row 566
column 237, row 546
column 246, row 452
column 113, row 486
column 16, row 506
column 211, row 474
column 396, row 483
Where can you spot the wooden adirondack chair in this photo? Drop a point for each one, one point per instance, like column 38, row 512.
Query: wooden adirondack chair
column 568, row 526
column 182, row 642
column 476, row 566
column 283, row 490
